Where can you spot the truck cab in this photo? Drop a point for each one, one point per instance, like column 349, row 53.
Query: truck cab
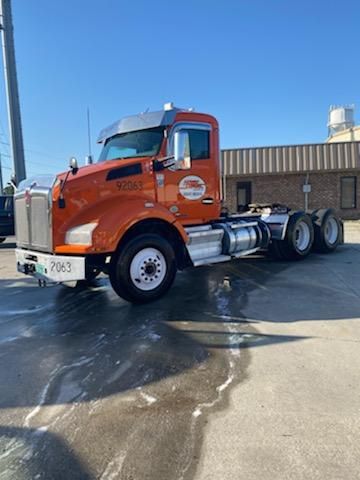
column 151, row 205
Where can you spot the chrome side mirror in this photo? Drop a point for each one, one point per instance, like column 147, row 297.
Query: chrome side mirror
column 73, row 165
column 182, row 150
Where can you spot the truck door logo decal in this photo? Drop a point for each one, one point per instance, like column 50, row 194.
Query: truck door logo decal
column 192, row 187
column 122, row 172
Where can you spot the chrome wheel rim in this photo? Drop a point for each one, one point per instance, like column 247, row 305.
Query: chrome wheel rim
column 302, row 236
column 148, row 269
column 331, row 231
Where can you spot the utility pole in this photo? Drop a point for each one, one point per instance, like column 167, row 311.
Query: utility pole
column 12, row 93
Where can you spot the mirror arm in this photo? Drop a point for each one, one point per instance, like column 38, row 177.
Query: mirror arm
column 163, row 159
column 63, row 182
column 61, row 201
column 164, row 162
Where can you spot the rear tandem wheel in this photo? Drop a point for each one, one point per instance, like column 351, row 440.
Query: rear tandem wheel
column 328, row 230
column 298, row 240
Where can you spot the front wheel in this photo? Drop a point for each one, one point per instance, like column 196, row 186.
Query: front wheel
column 144, row 269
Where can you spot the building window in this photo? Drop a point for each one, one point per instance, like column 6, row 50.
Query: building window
column 348, row 192
column 199, row 144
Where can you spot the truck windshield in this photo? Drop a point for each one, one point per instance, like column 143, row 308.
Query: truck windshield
column 142, row 143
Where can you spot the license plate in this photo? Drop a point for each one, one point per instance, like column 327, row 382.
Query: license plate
column 40, row 268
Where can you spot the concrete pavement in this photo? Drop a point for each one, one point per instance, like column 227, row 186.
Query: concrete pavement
column 297, row 414
column 252, row 377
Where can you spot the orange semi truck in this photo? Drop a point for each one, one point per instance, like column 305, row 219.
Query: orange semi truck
column 151, row 205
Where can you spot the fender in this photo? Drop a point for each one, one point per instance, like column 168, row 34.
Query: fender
column 114, row 220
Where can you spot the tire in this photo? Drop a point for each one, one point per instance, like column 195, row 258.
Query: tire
column 144, row 269
column 328, row 230
column 2, row 239
column 298, row 240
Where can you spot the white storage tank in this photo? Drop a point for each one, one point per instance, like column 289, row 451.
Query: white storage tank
column 340, row 118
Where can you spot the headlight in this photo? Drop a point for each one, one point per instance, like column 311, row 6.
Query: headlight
column 80, row 235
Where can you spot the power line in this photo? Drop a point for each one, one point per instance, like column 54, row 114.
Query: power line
column 41, row 164
column 33, row 151
column 29, row 150
column 44, row 154
column 33, row 162
column 4, row 134
column 37, row 152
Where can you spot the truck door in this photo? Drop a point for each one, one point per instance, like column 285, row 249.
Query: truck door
column 192, row 195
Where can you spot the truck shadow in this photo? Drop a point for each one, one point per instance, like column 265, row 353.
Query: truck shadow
column 64, row 345
column 57, row 461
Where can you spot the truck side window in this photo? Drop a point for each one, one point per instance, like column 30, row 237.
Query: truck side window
column 199, row 144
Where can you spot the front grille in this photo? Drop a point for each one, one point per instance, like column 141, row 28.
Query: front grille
column 21, row 222
column 33, row 226
column 40, row 221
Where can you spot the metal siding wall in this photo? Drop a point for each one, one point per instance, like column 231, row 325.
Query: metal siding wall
column 291, row 158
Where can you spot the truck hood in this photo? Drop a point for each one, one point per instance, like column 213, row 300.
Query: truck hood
column 93, row 186
column 98, row 169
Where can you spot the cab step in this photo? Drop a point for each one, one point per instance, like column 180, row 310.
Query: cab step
column 211, row 260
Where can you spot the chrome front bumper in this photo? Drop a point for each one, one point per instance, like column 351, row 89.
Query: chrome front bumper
column 50, row 268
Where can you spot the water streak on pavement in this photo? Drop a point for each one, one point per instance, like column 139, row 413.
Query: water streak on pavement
column 96, row 388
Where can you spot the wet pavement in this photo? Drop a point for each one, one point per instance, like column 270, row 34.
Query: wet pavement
column 95, row 388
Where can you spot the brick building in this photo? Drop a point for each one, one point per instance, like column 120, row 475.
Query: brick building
column 300, row 176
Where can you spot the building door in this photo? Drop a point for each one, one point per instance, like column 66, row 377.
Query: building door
column 348, row 192
column 243, row 196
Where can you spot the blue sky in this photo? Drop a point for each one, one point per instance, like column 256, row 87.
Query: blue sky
column 268, row 69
